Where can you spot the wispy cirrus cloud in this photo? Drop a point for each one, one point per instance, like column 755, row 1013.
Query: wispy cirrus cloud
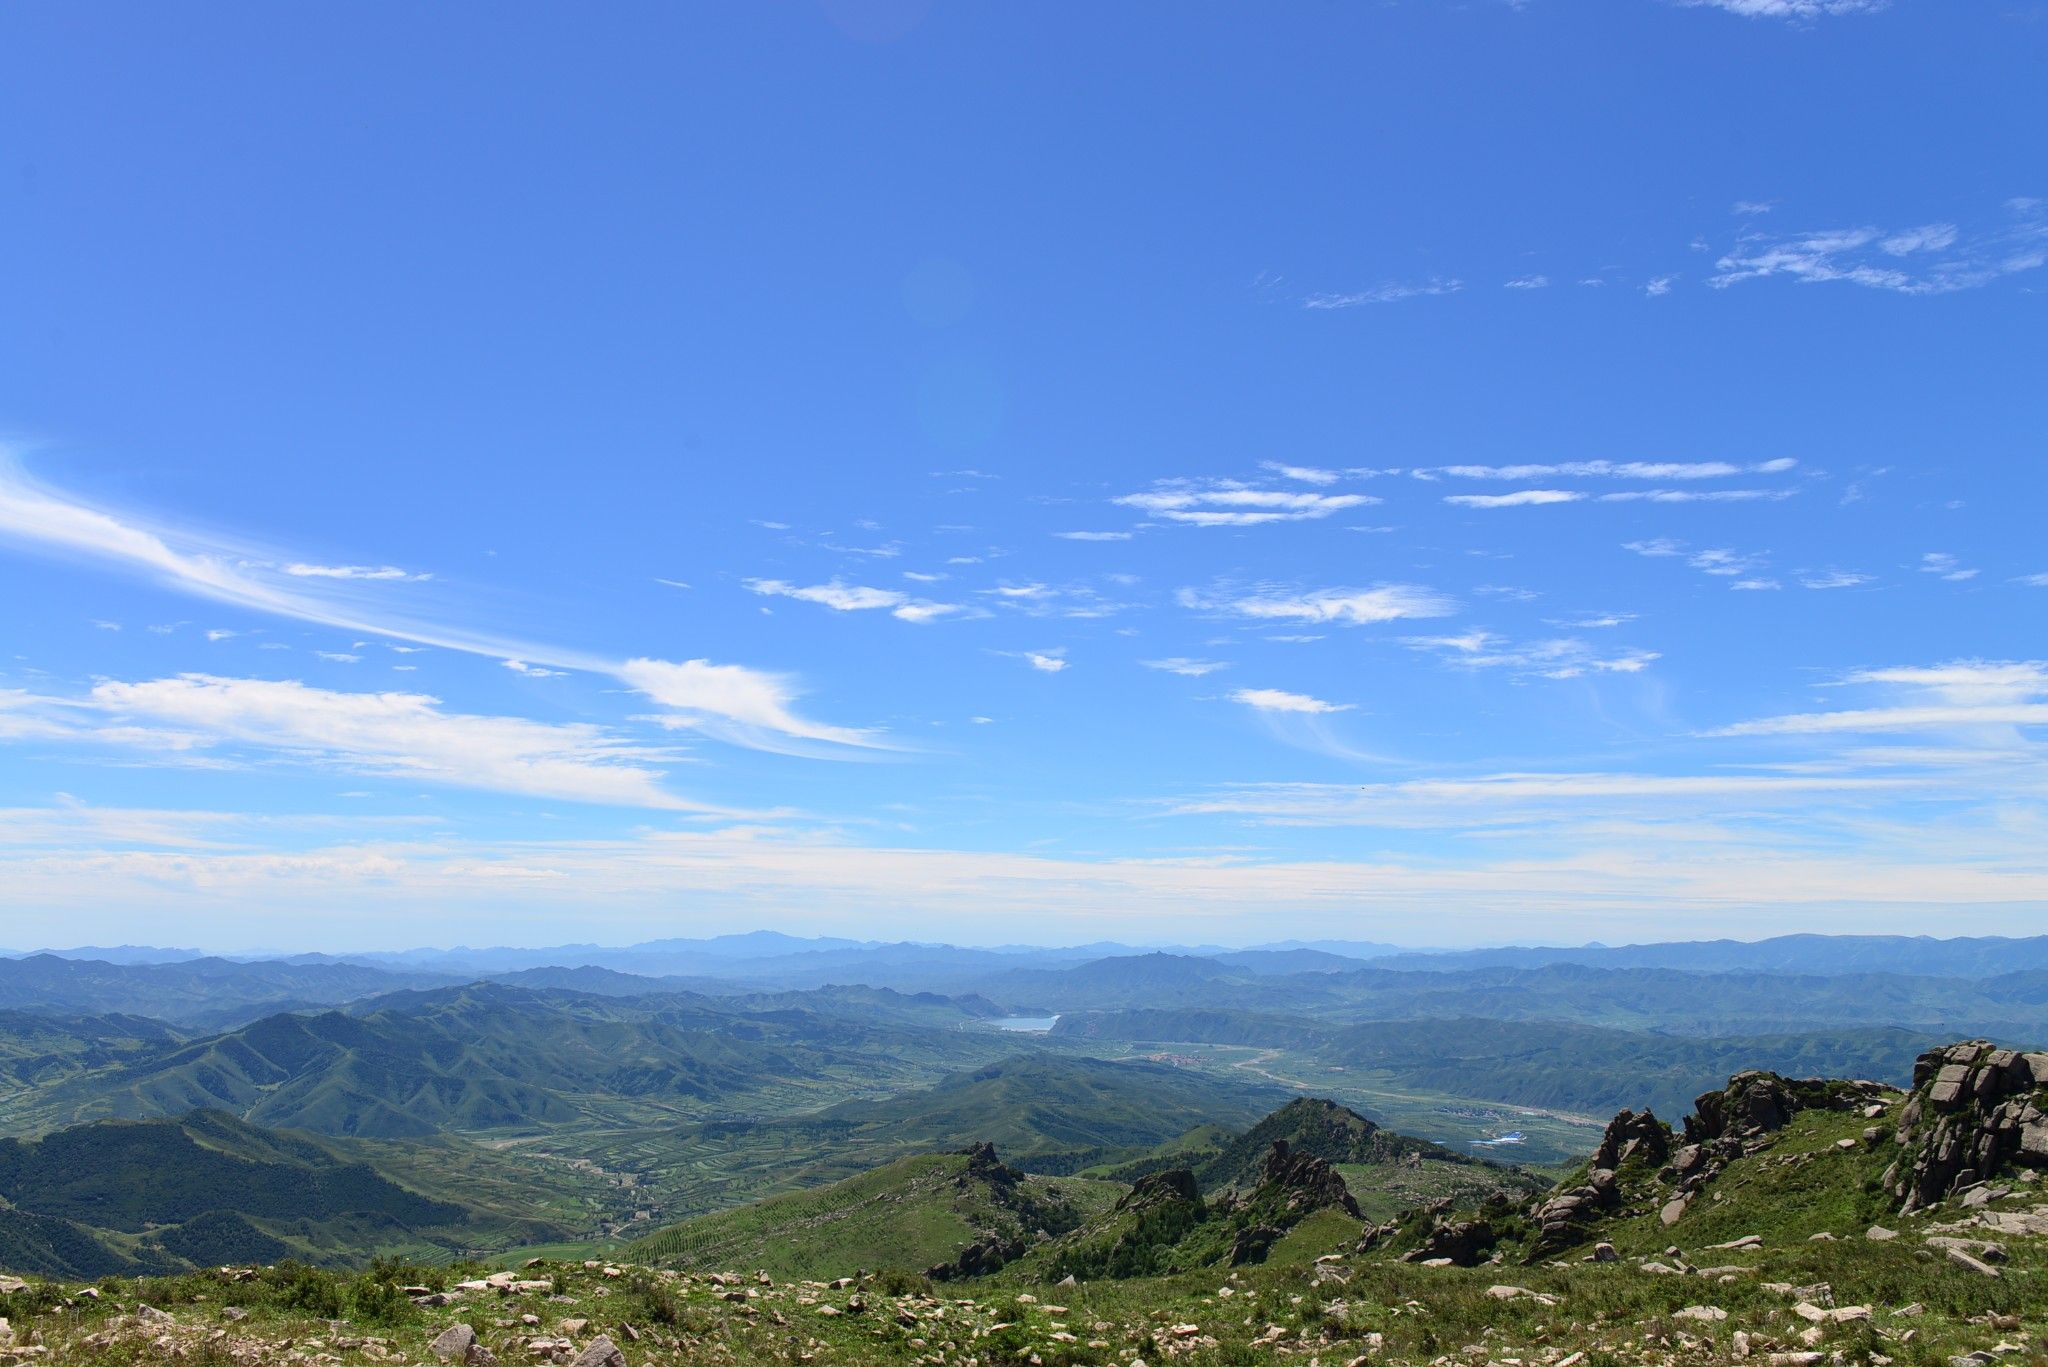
column 1556, row 658
column 1795, row 10
column 1610, row 469
column 1514, row 798
column 844, row 597
column 1229, row 503
column 1925, row 259
column 1945, row 566
column 732, row 702
column 1520, row 498
column 1392, row 292
column 1181, row 664
column 1336, row 606
column 1306, row 474
column 299, row 569
column 1993, row 696
column 408, row 736
column 1697, row 495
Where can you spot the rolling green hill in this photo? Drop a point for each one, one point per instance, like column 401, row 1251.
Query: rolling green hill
column 910, row 1215
column 487, row 1057
column 125, row 1196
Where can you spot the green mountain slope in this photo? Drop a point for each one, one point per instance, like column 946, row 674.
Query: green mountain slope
column 124, row 1196
column 910, row 1215
column 486, row 1057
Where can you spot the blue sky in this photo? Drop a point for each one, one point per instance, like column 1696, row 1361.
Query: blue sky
column 1440, row 474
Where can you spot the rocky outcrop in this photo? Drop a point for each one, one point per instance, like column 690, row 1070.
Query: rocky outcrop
column 984, row 1166
column 1631, row 1136
column 1742, row 1117
column 1303, row 1182
column 1461, row 1243
column 1013, row 1199
column 1562, row 1218
column 1175, row 1184
column 1976, row 1110
column 1637, row 1152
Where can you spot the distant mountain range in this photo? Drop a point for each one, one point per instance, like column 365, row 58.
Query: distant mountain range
column 772, row 958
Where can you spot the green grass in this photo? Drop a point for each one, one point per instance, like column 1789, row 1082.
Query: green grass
column 907, row 1215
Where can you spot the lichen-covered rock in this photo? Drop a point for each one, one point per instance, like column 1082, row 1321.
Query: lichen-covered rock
column 1976, row 1111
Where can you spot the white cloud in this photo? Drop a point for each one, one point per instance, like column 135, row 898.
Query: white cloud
column 1609, row 469
column 1278, row 700
column 1661, row 285
column 1697, row 495
column 1750, row 207
column 1946, row 566
column 1756, row 585
column 1787, row 9
column 396, row 735
column 1722, row 561
column 1343, row 606
column 1520, row 498
column 33, row 516
column 1180, row 664
column 1655, row 547
column 2038, row 581
column 1933, row 258
column 340, row 657
column 1834, row 579
column 1306, row 474
column 1564, row 658
column 1047, row 661
column 748, row 706
column 1512, row 798
column 1529, row 282
column 1228, row 503
column 531, row 671
column 1392, row 292
column 1961, row 695
column 856, row 598
column 301, row 570
column 1093, row 536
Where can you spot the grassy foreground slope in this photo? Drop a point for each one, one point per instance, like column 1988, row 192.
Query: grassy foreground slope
column 1816, row 1223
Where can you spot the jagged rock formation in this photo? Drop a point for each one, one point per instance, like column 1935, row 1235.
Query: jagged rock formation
column 1975, row 1111
column 1304, row 1182
column 1628, row 1136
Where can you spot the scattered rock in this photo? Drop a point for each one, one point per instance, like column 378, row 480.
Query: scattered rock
column 1962, row 1259
column 454, row 1342
column 601, row 1352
